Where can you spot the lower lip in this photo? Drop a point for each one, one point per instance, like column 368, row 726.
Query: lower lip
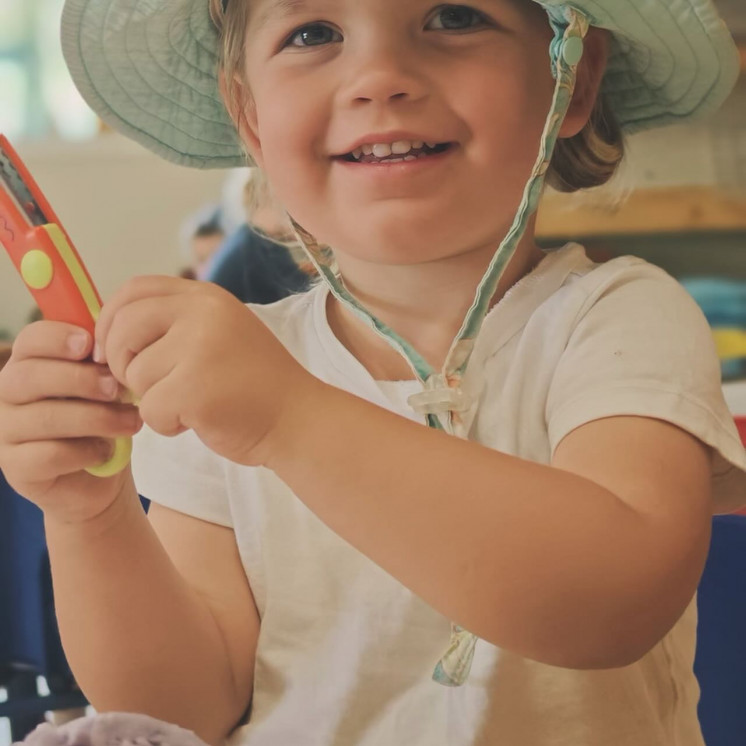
column 398, row 168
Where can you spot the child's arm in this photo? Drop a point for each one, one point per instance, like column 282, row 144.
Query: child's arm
column 586, row 563
column 171, row 631
column 160, row 621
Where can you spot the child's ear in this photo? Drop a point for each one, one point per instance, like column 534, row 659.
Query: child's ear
column 242, row 110
column 590, row 74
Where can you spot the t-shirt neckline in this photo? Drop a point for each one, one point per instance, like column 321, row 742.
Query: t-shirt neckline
column 510, row 313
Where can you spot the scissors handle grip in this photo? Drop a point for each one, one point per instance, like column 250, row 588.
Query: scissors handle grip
column 60, row 284
column 55, row 277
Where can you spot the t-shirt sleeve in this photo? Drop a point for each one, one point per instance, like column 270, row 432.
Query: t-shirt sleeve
column 641, row 346
column 181, row 473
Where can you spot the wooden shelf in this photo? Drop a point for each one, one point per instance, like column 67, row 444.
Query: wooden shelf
column 647, row 211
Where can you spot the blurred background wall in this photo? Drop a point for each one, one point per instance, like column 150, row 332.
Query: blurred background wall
column 122, row 206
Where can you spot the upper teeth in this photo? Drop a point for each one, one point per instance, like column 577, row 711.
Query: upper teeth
column 383, row 150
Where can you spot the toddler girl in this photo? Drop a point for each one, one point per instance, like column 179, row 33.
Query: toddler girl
column 460, row 491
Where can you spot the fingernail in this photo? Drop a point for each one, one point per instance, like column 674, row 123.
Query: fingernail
column 77, row 343
column 98, row 355
column 109, row 387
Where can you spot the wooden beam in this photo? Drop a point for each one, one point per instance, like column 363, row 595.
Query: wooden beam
column 647, row 211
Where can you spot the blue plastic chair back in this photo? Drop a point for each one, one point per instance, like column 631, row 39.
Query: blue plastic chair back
column 28, row 629
column 720, row 662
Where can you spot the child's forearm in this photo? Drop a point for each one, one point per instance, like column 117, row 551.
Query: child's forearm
column 137, row 637
column 537, row 560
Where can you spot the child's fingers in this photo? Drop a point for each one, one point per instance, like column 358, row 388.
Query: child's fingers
column 151, row 366
column 32, row 380
column 139, row 288
column 136, row 327
column 56, row 419
column 44, row 460
column 52, row 339
column 161, row 418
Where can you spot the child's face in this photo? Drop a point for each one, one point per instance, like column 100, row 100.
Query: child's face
column 326, row 76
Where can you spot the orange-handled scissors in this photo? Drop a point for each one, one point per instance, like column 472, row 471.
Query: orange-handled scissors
column 46, row 259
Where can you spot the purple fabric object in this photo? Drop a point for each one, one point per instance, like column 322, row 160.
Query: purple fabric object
column 112, row 729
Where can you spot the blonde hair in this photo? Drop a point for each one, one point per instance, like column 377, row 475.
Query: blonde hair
column 257, row 192
column 589, row 159
column 231, row 25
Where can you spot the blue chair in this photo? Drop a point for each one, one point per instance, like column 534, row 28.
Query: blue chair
column 29, row 640
column 30, row 643
column 720, row 662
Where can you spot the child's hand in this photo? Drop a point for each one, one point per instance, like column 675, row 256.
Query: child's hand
column 59, row 415
column 197, row 358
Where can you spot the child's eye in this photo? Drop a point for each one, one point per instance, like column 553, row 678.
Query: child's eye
column 457, row 18
column 313, row 35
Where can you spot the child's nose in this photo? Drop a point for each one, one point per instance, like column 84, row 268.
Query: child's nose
column 385, row 74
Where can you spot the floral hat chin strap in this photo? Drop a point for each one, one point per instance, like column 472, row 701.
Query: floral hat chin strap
column 442, row 400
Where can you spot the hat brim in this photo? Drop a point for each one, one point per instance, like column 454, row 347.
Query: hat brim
column 149, row 68
column 670, row 60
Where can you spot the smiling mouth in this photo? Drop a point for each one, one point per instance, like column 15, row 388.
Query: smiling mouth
column 413, row 154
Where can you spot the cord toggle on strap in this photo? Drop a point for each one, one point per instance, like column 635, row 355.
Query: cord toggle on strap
column 439, row 398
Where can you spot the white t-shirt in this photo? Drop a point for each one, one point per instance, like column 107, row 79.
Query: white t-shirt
column 346, row 653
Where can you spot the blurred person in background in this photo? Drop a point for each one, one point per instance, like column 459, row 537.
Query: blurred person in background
column 256, row 263
column 202, row 233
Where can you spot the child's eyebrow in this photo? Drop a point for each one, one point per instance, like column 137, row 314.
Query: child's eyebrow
column 279, row 9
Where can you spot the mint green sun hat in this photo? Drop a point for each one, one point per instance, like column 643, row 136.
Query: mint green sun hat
column 148, row 68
